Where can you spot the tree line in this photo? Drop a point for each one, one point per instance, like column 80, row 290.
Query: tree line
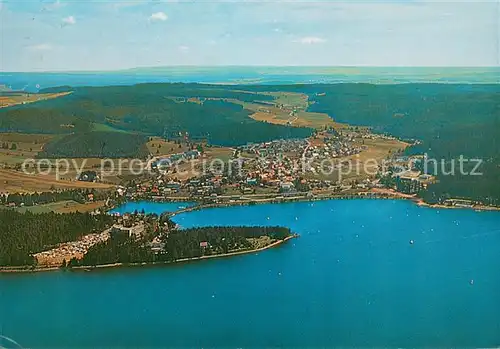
column 31, row 199
column 178, row 244
column 23, row 234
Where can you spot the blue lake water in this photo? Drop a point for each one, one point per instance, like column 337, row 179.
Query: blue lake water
column 150, row 207
column 352, row 279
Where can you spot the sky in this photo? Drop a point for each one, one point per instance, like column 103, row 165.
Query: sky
column 62, row 35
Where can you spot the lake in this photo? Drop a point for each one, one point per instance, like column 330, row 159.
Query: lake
column 150, row 207
column 352, row 279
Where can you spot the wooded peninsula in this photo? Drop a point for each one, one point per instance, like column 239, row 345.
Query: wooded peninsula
column 105, row 240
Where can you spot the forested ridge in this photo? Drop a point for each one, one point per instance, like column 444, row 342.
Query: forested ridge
column 179, row 244
column 22, row 234
column 97, row 145
column 448, row 119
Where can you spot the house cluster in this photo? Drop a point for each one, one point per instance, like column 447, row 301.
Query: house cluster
column 163, row 163
column 332, row 148
column 154, row 190
column 209, row 184
column 460, row 203
column 282, row 164
column 279, row 166
column 369, row 135
column 276, row 165
column 128, row 227
column 69, row 250
column 156, row 245
column 411, row 181
column 275, row 148
column 88, row 176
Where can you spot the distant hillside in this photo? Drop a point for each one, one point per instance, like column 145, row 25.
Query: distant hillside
column 271, row 75
column 317, row 74
column 148, row 109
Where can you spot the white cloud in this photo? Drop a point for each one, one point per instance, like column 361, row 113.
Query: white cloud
column 57, row 4
column 158, row 16
column 70, row 20
column 40, row 47
column 309, row 40
column 183, row 48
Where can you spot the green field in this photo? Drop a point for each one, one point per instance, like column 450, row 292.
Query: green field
column 52, row 207
column 107, row 128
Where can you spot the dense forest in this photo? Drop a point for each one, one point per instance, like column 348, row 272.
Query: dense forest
column 118, row 249
column 449, row 120
column 179, row 244
column 186, row 243
column 21, row 235
column 97, row 145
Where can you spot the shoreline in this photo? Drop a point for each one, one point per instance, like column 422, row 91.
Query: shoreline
column 274, row 200
column 7, row 270
column 360, row 195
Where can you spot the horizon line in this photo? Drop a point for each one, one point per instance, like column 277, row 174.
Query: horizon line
column 245, row 66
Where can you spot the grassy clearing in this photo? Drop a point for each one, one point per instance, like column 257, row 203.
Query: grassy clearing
column 25, row 98
column 68, row 206
column 291, row 99
column 159, row 147
column 289, row 109
column 222, row 153
column 18, row 182
column 300, row 119
column 376, row 150
column 373, row 154
column 107, row 128
column 279, row 111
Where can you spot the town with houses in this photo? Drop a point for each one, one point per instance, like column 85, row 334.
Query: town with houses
column 279, row 169
column 276, row 171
